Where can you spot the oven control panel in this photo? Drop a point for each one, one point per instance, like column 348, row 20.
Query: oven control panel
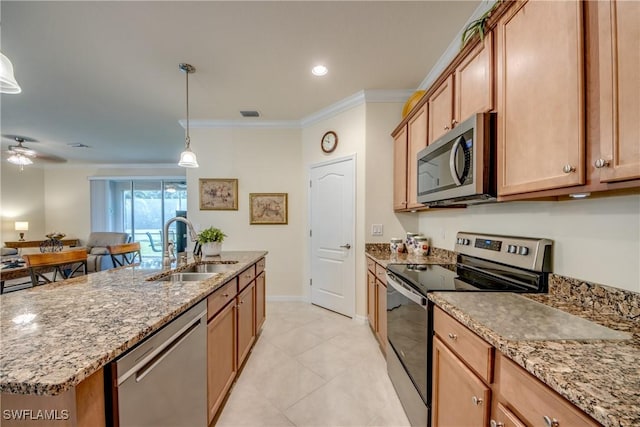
column 523, row 252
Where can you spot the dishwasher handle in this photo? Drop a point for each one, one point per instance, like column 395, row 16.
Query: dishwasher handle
column 406, row 291
column 168, row 345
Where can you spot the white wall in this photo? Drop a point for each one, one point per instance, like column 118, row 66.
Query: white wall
column 596, row 240
column 22, row 199
column 263, row 161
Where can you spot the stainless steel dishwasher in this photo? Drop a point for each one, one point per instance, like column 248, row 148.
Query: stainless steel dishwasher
column 163, row 381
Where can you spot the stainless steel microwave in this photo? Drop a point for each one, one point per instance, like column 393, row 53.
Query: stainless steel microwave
column 459, row 167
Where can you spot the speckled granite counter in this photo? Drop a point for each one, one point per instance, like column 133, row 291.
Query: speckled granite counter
column 381, row 254
column 601, row 377
column 79, row 325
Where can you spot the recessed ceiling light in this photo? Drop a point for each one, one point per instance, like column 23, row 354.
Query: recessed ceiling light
column 319, row 70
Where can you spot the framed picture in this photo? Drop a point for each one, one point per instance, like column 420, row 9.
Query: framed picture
column 268, row 208
column 218, row 194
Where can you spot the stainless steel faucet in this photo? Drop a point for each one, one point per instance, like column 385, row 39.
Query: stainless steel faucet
column 167, row 255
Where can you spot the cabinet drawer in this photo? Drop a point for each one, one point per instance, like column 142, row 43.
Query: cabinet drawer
column 260, row 266
column 532, row 400
column 381, row 274
column 371, row 265
column 221, row 297
column 246, row 277
column 476, row 353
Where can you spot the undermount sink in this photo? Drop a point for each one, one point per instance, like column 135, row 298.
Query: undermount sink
column 189, row 277
column 211, row 268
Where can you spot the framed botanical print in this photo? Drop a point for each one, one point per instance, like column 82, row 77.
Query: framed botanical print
column 268, row 208
column 218, row 194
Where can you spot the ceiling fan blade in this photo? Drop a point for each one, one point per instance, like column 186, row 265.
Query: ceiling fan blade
column 49, row 158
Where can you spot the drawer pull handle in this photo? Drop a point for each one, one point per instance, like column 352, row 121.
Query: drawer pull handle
column 568, row 169
column 453, row 336
column 225, row 295
column 476, row 401
column 551, row 422
column 495, row 423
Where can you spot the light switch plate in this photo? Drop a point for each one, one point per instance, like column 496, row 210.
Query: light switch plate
column 376, row 230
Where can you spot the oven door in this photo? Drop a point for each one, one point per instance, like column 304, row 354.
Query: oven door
column 407, row 332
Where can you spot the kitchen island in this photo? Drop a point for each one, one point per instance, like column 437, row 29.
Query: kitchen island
column 55, row 336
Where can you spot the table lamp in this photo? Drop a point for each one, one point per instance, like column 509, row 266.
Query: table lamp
column 22, row 226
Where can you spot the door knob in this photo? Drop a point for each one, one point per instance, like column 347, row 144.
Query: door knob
column 347, row 246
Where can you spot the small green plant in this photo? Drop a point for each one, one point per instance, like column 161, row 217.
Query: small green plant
column 478, row 26
column 211, row 234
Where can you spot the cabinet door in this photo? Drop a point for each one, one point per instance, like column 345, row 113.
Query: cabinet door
column 260, row 301
column 540, row 99
column 382, row 314
column 474, row 81
column 441, row 110
column 400, row 170
column 459, row 397
column 619, row 68
column 371, row 300
column 221, row 356
column 417, row 141
column 246, row 331
column 503, row 417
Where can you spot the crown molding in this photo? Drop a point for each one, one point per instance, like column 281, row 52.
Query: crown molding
column 358, row 98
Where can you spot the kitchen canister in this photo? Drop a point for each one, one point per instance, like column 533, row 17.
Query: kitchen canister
column 396, row 245
column 408, row 242
column 421, row 245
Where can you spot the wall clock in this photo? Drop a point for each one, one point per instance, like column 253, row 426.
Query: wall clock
column 329, row 141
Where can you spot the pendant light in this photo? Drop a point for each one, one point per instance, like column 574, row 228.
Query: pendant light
column 188, row 157
column 8, row 83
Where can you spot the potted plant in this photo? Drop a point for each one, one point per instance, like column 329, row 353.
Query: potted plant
column 211, row 240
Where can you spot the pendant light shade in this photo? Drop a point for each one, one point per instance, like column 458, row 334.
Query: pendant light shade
column 8, row 83
column 187, row 157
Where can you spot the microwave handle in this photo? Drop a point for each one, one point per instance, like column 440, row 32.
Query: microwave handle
column 452, row 160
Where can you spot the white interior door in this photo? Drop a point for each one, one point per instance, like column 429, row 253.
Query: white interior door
column 332, row 236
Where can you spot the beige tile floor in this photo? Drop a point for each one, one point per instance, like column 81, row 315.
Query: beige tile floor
column 312, row 367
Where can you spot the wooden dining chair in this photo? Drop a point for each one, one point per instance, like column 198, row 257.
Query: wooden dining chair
column 63, row 265
column 125, row 254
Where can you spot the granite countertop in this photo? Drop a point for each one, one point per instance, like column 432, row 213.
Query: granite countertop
column 599, row 376
column 54, row 336
column 380, row 253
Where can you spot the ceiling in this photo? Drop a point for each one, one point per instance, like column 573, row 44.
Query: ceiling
column 105, row 74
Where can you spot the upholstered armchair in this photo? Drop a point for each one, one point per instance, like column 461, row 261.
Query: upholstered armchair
column 98, row 257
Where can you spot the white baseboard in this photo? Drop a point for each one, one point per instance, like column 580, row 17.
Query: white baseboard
column 360, row 319
column 286, row 298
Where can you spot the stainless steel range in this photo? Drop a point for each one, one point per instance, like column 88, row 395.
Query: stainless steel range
column 484, row 263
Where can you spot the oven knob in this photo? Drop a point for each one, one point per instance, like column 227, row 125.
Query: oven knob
column 460, row 240
column 523, row 250
column 465, row 241
column 512, row 249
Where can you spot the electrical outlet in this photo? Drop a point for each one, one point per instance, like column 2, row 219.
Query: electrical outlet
column 376, row 229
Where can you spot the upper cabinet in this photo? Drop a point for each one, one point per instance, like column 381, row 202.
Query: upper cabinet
column 473, row 79
column 540, row 101
column 618, row 24
column 400, row 169
column 417, row 141
column 441, row 110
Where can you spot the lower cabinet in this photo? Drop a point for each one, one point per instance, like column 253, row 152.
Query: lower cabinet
column 260, row 299
column 472, row 387
column 377, row 302
column 221, row 356
column 460, row 398
column 382, row 315
column 246, row 324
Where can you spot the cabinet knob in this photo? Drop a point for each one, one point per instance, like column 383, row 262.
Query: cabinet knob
column 568, row 169
column 225, row 295
column 454, row 122
column 453, row 336
column 551, row 422
column 446, row 128
column 495, row 423
column 601, row 163
column 476, row 400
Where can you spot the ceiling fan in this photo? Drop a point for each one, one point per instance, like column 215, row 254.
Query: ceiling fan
column 23, row 156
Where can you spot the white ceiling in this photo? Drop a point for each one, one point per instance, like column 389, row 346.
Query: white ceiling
column 106, row 74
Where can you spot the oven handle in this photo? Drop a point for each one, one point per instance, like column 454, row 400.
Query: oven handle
column 452, row 160
column 406, row 291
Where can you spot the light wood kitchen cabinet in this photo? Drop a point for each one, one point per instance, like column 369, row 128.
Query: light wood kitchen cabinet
column 505, row 418
column 619, row 90
column 221, row 356
column 377, row 302
column 260, row 301
column 381, row 290
column 460, row 398
column 371, row 300
column 531, row 402
column 400, row 147
column 417, row 137
column 540, row 97
column 440, row 110
column 473, row 81
column 246, row 323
